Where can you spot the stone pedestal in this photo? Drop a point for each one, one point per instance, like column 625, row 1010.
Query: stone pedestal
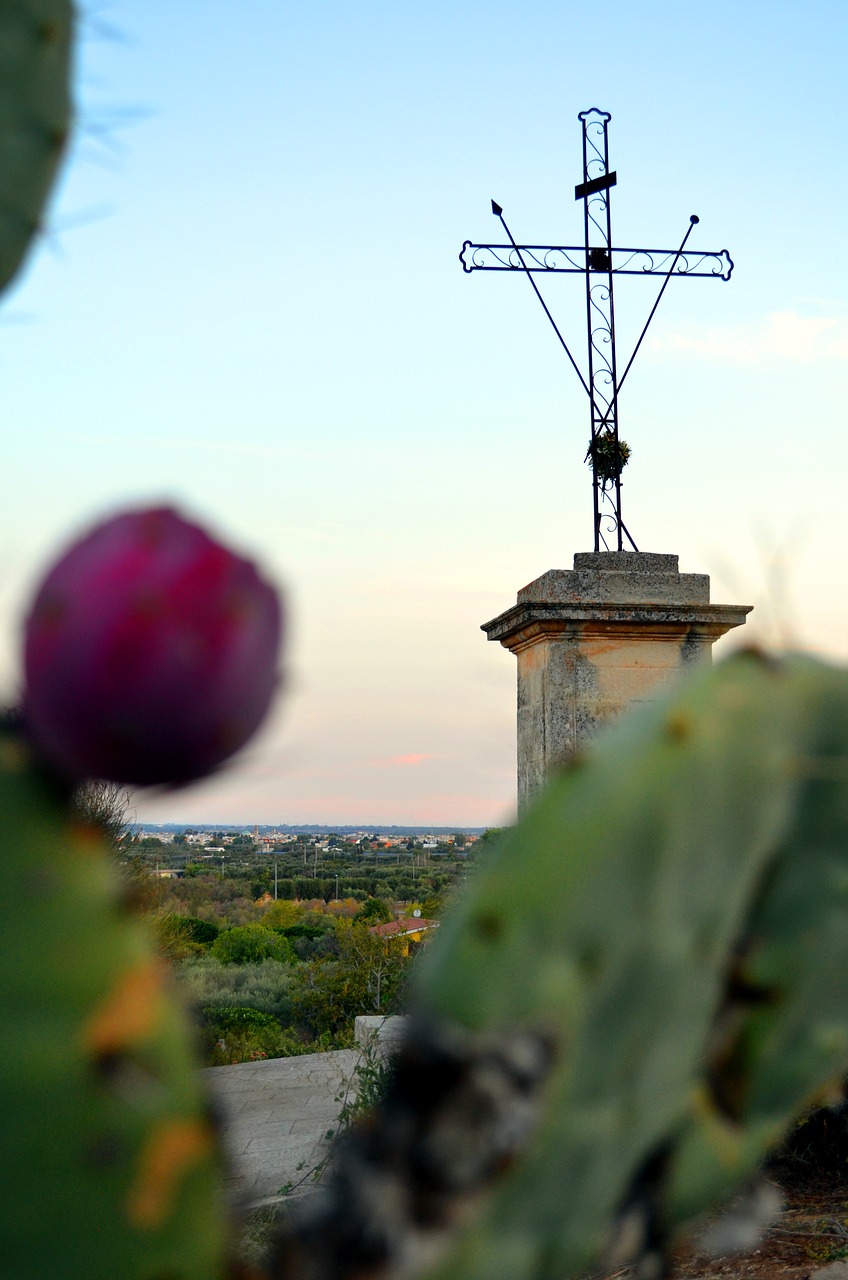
column 593, row 640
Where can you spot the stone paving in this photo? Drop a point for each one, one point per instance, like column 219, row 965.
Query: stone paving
column 276, row 1115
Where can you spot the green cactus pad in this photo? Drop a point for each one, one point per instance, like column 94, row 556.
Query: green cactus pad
column 35, row 58
column 110, row 1159
column 674, row 914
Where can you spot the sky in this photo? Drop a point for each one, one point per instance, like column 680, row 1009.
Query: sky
column 248, row 303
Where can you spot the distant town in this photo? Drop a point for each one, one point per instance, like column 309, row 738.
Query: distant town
column 311, row 859
column 167, row 831
column 197, row 842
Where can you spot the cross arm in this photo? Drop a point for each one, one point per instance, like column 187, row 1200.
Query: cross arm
column 572, row 258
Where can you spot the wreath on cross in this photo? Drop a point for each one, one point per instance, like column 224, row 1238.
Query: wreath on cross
column 608, row 456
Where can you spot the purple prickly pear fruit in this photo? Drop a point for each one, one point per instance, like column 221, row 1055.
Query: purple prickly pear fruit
column 151, row 653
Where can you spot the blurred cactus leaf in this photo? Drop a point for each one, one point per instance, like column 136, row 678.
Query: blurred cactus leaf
column 35, row 112
column 673, row 912
column 111, row 1167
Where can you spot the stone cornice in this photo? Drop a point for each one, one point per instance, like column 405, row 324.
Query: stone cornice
column 524, row 623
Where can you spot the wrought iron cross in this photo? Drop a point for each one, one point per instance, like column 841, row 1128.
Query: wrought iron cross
column 598, row 261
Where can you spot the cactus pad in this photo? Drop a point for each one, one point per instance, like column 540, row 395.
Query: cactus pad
column 109, row 1153
column 35, row 57
column 673, row 915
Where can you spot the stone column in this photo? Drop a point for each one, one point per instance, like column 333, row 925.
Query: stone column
column 593, row 640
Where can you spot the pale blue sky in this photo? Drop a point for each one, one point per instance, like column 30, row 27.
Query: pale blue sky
column 250, row 303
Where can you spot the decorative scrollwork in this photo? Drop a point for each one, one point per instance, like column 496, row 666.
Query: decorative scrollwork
column 594, row 124
column 572, row 259
column 597, row 210
column 563, row 260
column 608, row 518
column 659, row 262
column 600, row 296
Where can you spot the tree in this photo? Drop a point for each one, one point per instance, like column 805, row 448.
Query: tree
column 104, row 805
column 282, row 914
column 261, row 881
column 374, row 911
column 367, row 977
column 343, row 907
column 381, row 960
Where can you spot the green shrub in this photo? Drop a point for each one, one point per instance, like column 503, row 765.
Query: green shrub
column 248, row 943
column 247, row 1044
column 312, row 941
column 293, row 931
column 238, row 1033
column 234, row 1016
column 323, row 948
column 265, row 986
column 203, row 931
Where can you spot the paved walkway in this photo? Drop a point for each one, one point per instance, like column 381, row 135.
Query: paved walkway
column 276, row 1117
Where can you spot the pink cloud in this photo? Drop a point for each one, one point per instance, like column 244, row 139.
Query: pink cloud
column 389, row 762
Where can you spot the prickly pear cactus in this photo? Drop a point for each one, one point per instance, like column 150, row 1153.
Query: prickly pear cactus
column 673, row 916
column 107, row 1150
column 35, row 57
